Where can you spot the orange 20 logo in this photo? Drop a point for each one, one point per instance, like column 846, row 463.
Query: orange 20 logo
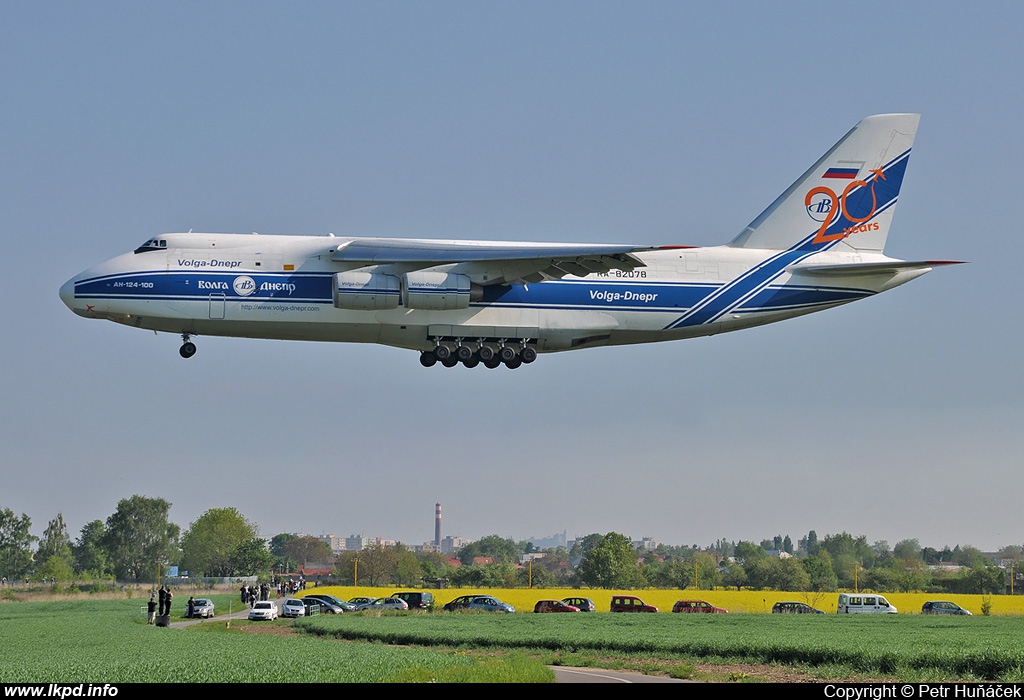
column 826, row 204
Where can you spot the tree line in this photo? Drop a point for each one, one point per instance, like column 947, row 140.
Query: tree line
column 138, row 543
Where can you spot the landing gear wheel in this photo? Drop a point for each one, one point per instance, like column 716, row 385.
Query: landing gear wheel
column 442, row 352
column 463, row 352
column 507, row 354
column 485, row 353
column 472, row 361
column 514, row 362
column 492, row 363
column 428, row 359
column 528, row 354
column 450, row 361
column 187, row 350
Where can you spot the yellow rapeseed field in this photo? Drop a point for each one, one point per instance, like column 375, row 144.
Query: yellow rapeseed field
column 734, row 601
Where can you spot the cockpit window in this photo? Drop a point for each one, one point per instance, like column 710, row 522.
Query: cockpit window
column 152, row 244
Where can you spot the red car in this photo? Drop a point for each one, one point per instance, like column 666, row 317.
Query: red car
column 696, row 606
column 554, row 606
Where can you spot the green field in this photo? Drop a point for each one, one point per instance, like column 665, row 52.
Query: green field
column 110, row 642
column 911, row 648
column 107, row 641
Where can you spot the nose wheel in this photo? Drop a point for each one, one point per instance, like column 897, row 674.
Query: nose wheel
column 188, row 348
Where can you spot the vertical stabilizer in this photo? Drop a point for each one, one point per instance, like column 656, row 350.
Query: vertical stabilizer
column 847, row 198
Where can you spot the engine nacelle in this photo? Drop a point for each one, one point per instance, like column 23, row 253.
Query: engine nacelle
column 438, row 291
column 366, row 291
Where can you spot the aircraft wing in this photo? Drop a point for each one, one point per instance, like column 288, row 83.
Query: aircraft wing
column 489, row 262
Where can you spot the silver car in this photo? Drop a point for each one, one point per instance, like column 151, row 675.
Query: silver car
column 293, row 607
column 202, row 607
column 383, row 604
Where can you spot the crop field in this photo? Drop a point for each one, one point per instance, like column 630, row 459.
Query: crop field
column 109, row 642
column 911, row 648
column 734, row 601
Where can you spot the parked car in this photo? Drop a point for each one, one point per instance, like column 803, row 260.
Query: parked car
column 943, row 607
column 293, row 607
column 334, row 605
column 360, row 600
column 795, row 608
column 856, row 603
column 546, row 606
column 460, row 603
column 383, row 604
column 630, row 603
column 490, row 604
column 263, row 610
column 584, row 604
column 202, row 607
column 313, row 606
column 696, row 606
column 416, row 600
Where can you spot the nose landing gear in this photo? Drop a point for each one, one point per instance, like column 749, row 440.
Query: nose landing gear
column 188, row 348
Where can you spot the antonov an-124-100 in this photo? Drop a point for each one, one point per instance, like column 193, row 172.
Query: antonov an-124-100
column 819, row 245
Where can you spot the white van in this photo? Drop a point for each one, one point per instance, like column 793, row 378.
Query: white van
column 864, row 603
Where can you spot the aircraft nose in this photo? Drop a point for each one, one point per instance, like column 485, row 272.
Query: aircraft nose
column 67, row 293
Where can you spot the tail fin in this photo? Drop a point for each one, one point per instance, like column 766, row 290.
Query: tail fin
column 847, row 198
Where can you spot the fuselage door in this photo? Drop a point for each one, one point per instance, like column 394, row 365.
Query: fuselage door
column 217, row 304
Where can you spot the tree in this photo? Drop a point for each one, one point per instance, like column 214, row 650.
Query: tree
column 251, row 558
column 53, row 558
column 56, row 543
column 376, row 565
column 209, row 544
column 611, row 564
column 90, row 555
column 139, row 538
column 821, row 575
column 500, row 549
column 308, row 549
column 15, row 544
column 407, row 567
column 812, row 545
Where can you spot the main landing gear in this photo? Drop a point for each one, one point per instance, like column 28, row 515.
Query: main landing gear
column 188, row 348
column 509, row 352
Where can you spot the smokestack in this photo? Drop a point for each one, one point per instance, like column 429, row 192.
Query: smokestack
column 437, row 526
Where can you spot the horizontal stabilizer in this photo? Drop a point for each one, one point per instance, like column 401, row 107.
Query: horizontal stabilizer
column 863, row 269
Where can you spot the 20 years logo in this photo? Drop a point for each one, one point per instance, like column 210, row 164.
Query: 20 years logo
column 824, row 205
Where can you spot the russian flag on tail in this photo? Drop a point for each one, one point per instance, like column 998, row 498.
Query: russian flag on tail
column 841, row 174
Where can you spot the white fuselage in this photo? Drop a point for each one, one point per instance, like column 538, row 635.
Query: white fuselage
column 284, row 287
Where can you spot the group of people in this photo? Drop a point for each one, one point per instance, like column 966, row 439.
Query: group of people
column 165, row 596
column 250, row 594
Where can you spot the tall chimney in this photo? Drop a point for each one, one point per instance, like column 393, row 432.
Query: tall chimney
column 437, row 527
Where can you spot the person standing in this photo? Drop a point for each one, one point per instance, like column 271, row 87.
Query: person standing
column 169, row 597
column 190, row 607
column 163, row 599
column 151, row 608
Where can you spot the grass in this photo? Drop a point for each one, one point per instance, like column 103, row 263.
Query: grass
column 911, row 648
column 104, row 639
column 109, row 642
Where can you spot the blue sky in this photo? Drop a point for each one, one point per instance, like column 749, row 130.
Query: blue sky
column 646, row 123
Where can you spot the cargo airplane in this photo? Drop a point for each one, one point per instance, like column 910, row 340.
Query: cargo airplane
column 819, row 245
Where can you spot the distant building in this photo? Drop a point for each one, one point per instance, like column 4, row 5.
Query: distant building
column 550, row 542
column 452, row 544
column 357, row 543
column 647, row 544
column 337, row 544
